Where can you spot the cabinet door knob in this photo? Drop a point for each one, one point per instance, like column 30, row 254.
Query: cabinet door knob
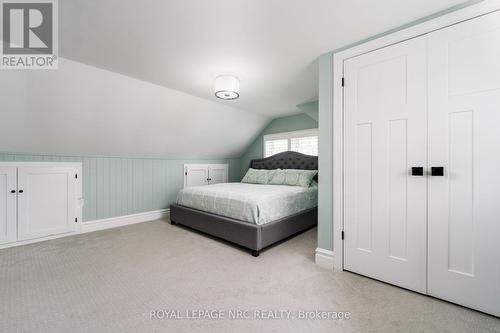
column 21, row 191
column 13, row 191
column 417, row 171
column 437, row 171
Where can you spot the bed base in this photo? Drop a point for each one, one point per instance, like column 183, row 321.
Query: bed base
column 251, row 236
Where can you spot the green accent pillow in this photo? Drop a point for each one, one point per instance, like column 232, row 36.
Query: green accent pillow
column 293, row 177
column 258, row 176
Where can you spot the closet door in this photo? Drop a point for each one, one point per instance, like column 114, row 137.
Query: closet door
column 217, row 173
column 46, row 201
column 195, row 175
column 464, row 139
column 8, row 204
column 385, row 124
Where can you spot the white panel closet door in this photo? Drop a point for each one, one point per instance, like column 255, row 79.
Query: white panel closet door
column 464, row 138
column 46, row 201
column 385, row 135
column 217, row 174
column 195, row 175
column 8, row 204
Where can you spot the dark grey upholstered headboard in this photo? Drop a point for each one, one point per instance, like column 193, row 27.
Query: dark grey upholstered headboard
column 286, row 160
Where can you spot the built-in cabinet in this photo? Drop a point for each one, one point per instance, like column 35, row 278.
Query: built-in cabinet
column 8, row 204
column 38, row 200
column 421, row 162
column 205, row 174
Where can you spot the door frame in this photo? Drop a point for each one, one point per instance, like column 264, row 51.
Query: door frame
column 418, row 28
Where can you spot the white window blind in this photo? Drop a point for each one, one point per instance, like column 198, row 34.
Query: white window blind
column 276, row 146
column 305, row 142
column 306, row 145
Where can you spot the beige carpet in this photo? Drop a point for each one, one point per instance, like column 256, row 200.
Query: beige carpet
column 110, row 281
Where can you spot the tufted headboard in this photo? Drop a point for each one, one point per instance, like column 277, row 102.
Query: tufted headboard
column 286, row 160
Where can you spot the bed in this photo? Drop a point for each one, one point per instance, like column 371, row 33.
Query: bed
column 250, row 215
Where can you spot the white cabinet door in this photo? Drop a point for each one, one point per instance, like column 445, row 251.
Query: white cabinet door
column 195, row 175
column 464, row 138
column 385, row 135
column 205, row 174
column 46, row 201
column 8, row 204
column 217, row 173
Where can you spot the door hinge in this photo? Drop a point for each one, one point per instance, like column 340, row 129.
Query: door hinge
column 342, row 234
column 342, row 82
column 76, row 219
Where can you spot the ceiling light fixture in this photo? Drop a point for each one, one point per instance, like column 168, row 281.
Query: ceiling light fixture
column 227, row 87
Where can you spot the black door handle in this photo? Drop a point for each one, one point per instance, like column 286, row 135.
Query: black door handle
column 13, row 191
column 437, row 171
column 417, row 171
column 21, row 191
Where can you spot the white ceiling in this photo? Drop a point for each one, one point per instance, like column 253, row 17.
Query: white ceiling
column 272, row 45
column 84, row 110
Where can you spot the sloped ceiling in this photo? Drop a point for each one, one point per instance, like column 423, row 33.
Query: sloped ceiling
column 272, row 45
column 84, row 110
column 311, row 109
column 136, row 77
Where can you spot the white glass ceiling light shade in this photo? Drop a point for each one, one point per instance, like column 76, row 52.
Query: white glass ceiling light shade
column 227, row 87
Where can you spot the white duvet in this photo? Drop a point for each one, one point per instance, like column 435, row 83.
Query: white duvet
column 254, row 203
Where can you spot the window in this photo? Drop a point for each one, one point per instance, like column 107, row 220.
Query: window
column 275, row 146
column 305, row 142
column 306, row 145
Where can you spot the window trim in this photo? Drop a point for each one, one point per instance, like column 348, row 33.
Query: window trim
column 288, row 136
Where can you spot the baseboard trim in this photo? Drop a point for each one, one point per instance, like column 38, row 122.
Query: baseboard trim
column 96, row 225
column 324, row 258
column 121, row 221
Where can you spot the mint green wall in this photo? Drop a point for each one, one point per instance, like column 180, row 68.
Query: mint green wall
column 115, row 186
column 278, row 125
column 325, row 186
column 325, row 194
